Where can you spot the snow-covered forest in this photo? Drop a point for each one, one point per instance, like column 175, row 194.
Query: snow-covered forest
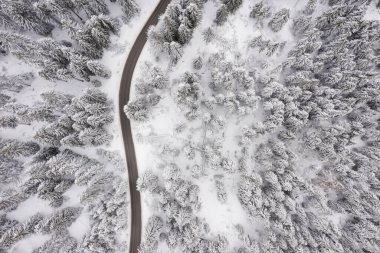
column 63, row 181
column 257, row 127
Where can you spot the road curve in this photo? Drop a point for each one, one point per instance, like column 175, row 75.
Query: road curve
column 124, row 92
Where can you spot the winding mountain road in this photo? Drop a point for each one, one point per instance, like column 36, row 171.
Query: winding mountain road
column 124, row 92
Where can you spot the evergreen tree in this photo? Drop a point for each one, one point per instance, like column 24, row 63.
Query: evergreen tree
column 139, row 109
column 16, row 83
column 8, row 121
column 60, row 241
column 279, row 19
column 232, row 5
column 260, row 12
column 23, row 15
column 221, row 15
column 152, row 230
column 59, row 220
column 310, row 7
column 10, row 169
column 56, row 100
column 148, row 181
column 20, row 231
column 13, row 148
column 92, row 8
column 197, row 63
column 129, row 7
column 98, row 69
column 208, row 35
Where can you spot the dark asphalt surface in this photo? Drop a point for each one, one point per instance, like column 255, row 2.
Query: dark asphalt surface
column 124, row 92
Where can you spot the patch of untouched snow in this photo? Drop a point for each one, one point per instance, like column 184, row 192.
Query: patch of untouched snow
column 72, row 195
column 80, row 226
column 28, row 244
column 222, row 217
column 30, row 207
column 373, row 12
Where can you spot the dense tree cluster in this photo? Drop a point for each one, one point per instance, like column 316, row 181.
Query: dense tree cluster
column 189, row 94
column 82, row 123
column 180, row 228
column 60, row 241
column 61, row 40
column 113, row 157
column 328, row 84
column 55, row 60
column 11, row 151
column 139, row 108
column 86, row 22
column 151, row 234
column 39, row 224
column 273, row 194
column 279, row 19
column 308, row 150
column 176, row 27
column 9, row 85
column 48, row 111
column 108, row 211
column 49, row 175
column 147, row 88
column 232, row 87
column 227, row 7
column 260, row 12
column 327, row 100
column 268, row 46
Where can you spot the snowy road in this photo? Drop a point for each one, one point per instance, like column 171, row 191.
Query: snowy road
column 124, row 93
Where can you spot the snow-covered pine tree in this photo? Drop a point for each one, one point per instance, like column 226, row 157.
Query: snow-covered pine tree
column 20, row 231
column 12, row 148
column 232, row 5
column 59, row 220
column 188, row 93
column 221, row 15
column 16, row 83
column 91, row 7
column 208, row 35
column 147, row 182
column 220, row 190
column 60, row 241
column 176, row 27
column 129, row 7
column 56, row 100
column 8, row 121
column 104, row 223
column 310, row 7
column 100, row 28
column 279, row 19
column 198, row 63
column 151, row 233
column 23, row 15
column 139, row 109
column 260, row 12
